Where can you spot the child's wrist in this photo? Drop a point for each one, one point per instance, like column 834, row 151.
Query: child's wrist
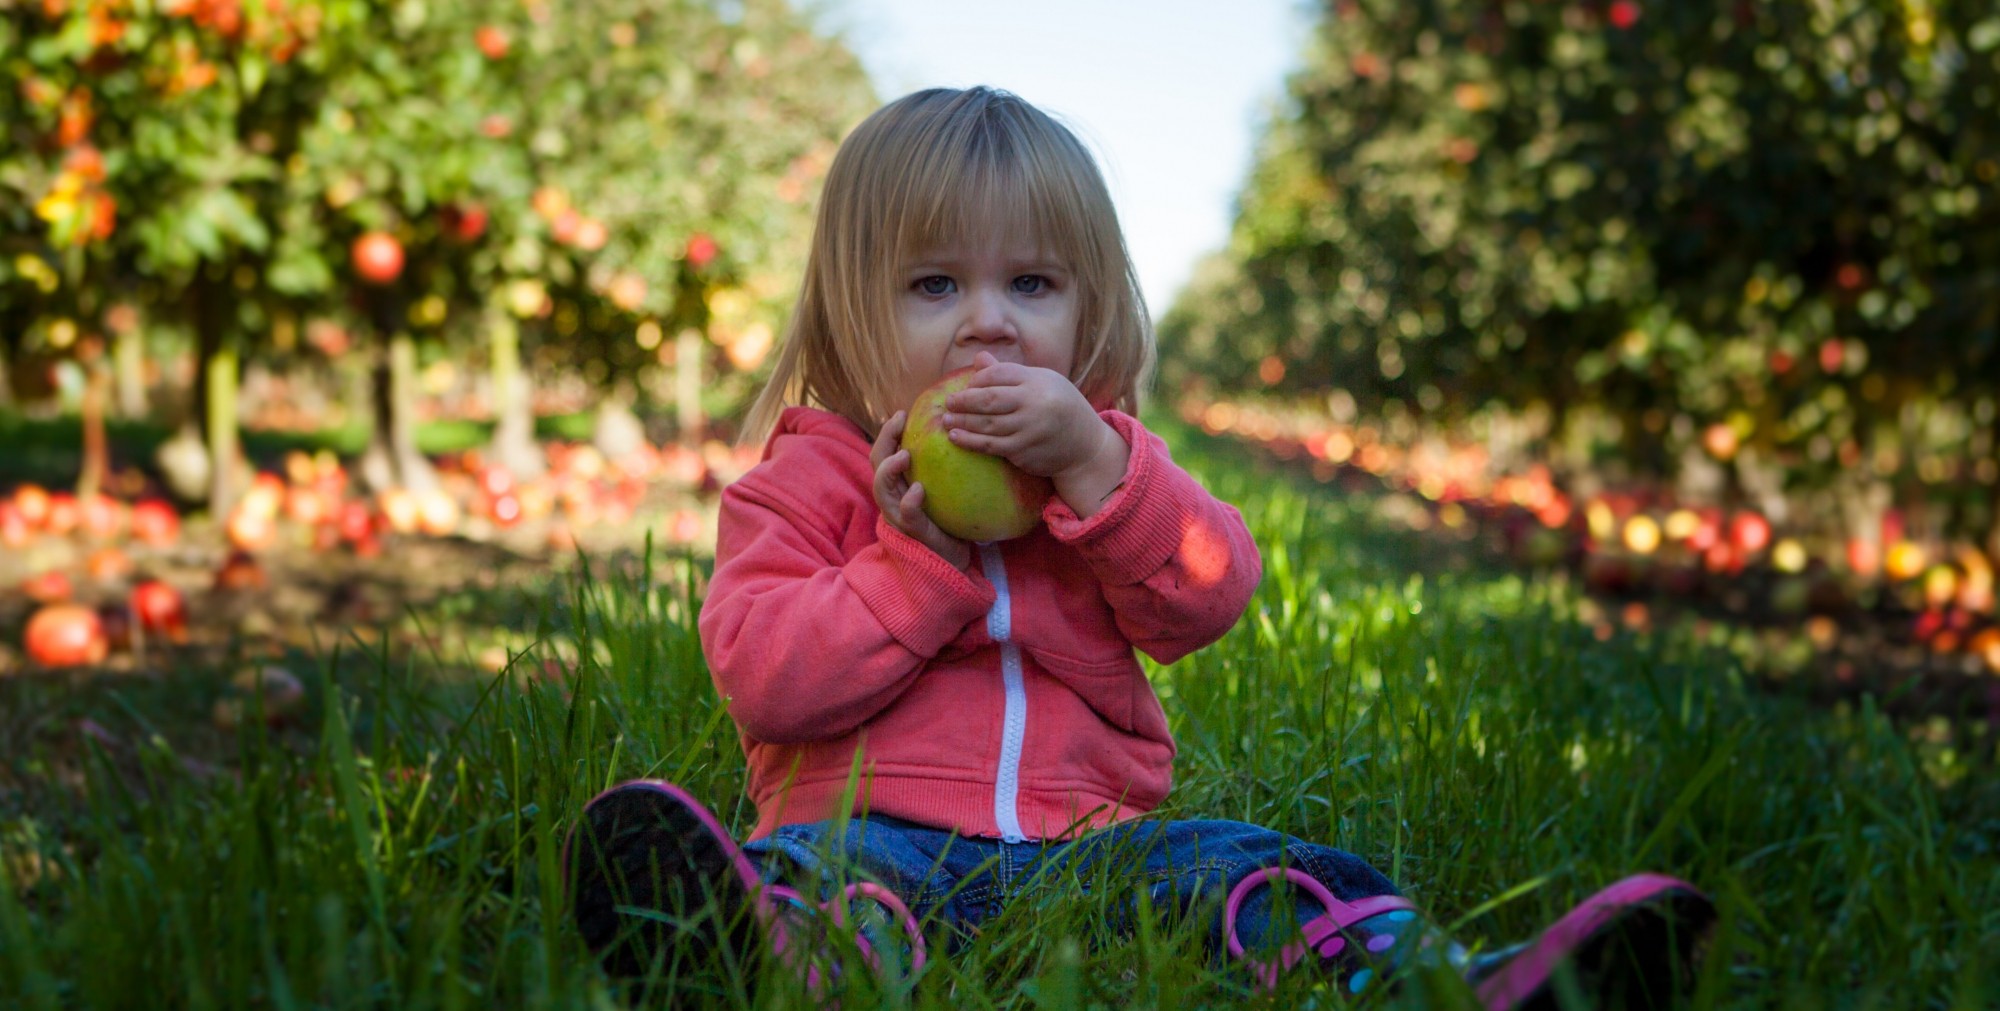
column 1089, row 485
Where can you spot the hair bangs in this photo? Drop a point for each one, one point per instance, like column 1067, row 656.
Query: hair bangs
column 929, row 171
column 987, row 178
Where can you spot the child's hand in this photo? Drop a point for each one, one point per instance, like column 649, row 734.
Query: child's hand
column 903, row 501
column 1039, row 421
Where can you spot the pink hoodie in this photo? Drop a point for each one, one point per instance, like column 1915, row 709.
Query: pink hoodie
column 1003, row 700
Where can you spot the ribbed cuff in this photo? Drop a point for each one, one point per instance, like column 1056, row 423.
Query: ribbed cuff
column 916, row 595
column 1137, row 531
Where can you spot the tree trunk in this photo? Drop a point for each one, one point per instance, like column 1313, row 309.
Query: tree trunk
column 129, row 361
column 687, row 386
column 221, row 417
column 392, row 459
column 215, row 390
column 96, row 453
column 10, row 344
column 513, row 446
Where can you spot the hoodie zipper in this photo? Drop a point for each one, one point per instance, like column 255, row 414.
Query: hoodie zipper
column 1014, row 720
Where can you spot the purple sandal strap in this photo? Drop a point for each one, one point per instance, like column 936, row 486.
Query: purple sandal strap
column 1321, row 935
column 888, row 900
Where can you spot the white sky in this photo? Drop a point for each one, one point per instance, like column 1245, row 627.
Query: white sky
column 1169, row 93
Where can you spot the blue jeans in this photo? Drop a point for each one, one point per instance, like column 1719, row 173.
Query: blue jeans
column 961, row 881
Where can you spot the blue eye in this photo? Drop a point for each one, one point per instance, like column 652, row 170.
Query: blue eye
column 936, row 284
column 1031, row 284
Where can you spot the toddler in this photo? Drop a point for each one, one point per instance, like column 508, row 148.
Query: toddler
column 943, row 721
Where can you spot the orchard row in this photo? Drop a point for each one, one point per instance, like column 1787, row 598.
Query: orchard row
column 1641, row 542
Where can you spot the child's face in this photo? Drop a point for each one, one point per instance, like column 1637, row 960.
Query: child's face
column 1002, row 295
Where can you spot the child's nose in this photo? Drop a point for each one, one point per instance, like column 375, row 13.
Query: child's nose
column 987, row 318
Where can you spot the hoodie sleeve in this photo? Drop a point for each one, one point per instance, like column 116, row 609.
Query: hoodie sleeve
column 804, row 640
column 1177, row 564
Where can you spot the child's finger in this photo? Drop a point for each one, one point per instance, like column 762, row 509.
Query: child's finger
column 984, row 424
column 974, row 441
column 984, row 400
column 889, row 480
column 887, row 439
column 996, row 373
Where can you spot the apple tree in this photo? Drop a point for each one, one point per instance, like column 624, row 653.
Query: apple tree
column 1754, row 238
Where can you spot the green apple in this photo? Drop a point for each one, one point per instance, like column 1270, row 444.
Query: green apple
column 969, row 495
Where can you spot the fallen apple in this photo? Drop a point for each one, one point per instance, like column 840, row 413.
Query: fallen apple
column 970, row 495
column 154, row 523
column 160, row 609
column 65, row 635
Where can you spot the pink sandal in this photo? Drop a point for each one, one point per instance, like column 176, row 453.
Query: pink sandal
column 664, row 858
column 1362, row 930
column 1629, row 944
column 836, row 908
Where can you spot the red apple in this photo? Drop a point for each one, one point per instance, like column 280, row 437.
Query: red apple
column 402, row 509
column 108, row 565
column 493, row 41
column 687, row 526
column 1623, row 14
column 701, row 250
column 355, row 522
column 1723, row 558
column 437, row 513
column 154, row 523
column 377, row 257
column 62, row 515
column 465, row 222
column 1720, row 440
column 15, row 531
column 47, row 587
column 1750, row 532
column 100, row 516
column 240, row 571
column 504, row 509
column 32, row 502
column 251, row 529
column 160, row 609
column 307, row 506
column 66, row 635
column 969, row 495
column 564, row 225
column 628, row 291
column 1864, row 557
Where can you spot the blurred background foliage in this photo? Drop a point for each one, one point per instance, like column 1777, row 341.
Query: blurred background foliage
column 615, row 190
column 1749, row 246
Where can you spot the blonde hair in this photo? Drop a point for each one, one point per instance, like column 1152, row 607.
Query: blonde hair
column 935, row 166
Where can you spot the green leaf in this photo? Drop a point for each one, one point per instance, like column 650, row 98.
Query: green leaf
column 1984, row 35
column 252, row 70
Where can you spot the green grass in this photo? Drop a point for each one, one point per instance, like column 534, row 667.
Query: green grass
column 1454, row 726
